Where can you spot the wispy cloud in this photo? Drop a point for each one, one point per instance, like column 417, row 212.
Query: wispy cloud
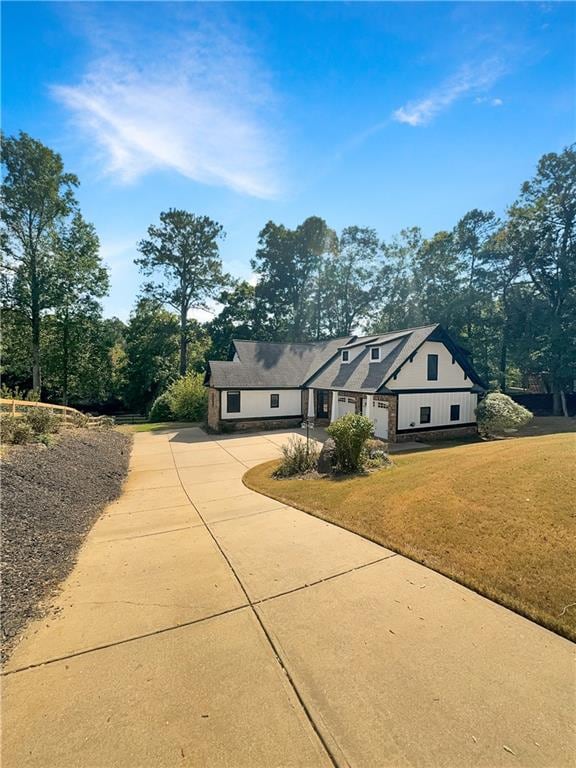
column 203, row 113
column 469, row 79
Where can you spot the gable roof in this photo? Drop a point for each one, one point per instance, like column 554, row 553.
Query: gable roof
column 362, row 375
column 264, row 365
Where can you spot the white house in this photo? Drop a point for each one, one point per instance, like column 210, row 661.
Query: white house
column 413, row 382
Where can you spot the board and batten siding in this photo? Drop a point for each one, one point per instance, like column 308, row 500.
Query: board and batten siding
column 255, row 403
column 414, row 375
column 439, row 403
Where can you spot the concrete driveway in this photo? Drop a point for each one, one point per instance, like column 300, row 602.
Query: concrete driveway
column 206, row 625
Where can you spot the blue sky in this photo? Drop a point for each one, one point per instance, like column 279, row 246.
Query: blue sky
column 379, row 114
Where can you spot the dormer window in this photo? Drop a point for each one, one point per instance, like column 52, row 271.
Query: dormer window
column 345, row 355
column 375, row 354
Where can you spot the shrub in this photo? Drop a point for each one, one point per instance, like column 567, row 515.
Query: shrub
column 14, row 430
column 297, row 458
column 188, row 398
column 161, row 409
column 350, row 433
column 497, row 413
column 376, row 454
column 42, row 421
column 79, row 419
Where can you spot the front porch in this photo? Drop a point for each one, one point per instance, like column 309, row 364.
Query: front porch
column 326, row 405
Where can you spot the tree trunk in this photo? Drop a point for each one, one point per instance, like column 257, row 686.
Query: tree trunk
column 183, row 339
column 35, row 311
column 556, row 400
column 65, row 359
column 563, row 402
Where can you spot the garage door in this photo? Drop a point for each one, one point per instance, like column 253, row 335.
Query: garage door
column 346, row 405
column 380, row 418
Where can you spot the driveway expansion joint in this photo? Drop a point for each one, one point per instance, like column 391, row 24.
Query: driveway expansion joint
column 329, row 753
column 126, row 640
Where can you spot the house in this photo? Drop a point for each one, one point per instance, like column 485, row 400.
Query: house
column 412, row 383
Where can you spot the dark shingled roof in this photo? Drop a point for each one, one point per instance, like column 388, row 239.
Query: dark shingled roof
column 318, row 364
column 266, row 364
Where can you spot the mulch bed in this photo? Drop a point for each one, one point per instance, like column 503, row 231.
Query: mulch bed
column 50, row 499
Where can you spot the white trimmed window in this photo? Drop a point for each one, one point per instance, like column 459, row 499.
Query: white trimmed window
column 345, row 356
column 374, row 354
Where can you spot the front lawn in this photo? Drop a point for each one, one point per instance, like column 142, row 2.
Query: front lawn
column 498, row 517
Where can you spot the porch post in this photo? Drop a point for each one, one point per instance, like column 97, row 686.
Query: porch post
column 369, row 407
column 334, row 409
column 310, row 403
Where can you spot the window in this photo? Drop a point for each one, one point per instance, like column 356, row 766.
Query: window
column 432, row 367
column 425, row 415
column 375, row 353
column 233, row 402
column 454, row 413
column 345, row 356
column 274, row 401
column 381, row 404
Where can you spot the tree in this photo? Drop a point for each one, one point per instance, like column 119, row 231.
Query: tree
column 288, row 262
column 37, row 194
column 396, row 307
column 437, row 281
column 351, row 279
column 79, row 280
column 152, row 353
column 237, row 319
column 183, row 254
column 542, row 228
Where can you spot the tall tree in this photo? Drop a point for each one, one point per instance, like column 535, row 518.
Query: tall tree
column 237, row 319
column 80, row 280
column 397, row 307
column 37, row 193
column 288, row 262
column 152, row 352
column 542, row 226
column 352, row 280
column 182, row 255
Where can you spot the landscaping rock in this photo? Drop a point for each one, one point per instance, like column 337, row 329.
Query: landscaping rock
column 50, row 499
column 326, row 459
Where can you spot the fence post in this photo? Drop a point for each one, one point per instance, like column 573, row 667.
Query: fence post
column 13, row 407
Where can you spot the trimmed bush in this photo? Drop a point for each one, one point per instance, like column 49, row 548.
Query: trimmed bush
column 188, row 398
column 297, row 458
column 161, row 409
column 497, row 412
column 350, row 433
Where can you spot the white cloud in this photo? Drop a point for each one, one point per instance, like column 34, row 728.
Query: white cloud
column 202, row 113
column 468, row 79
column 496, row 102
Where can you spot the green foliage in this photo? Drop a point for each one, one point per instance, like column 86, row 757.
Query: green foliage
column 350, row 433
column 43, row 421
column 14, row 430
column 298, row 457
column 161, row 408
column 79, row 420
column 182, row 257
column 188, row 398
column 498, row 412
column 36, row 194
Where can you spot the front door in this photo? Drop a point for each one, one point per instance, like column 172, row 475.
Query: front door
column 322, row 411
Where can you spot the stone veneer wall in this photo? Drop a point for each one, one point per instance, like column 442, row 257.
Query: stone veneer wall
column 214, row 409
column 258, row 424
column 426, row 436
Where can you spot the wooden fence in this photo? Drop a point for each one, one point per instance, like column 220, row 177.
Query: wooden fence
column 16, row 407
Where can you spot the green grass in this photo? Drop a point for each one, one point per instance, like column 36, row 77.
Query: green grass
column 498, row 517
column 156, row 426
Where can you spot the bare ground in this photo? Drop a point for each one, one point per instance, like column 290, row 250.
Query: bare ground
column 50, row 499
